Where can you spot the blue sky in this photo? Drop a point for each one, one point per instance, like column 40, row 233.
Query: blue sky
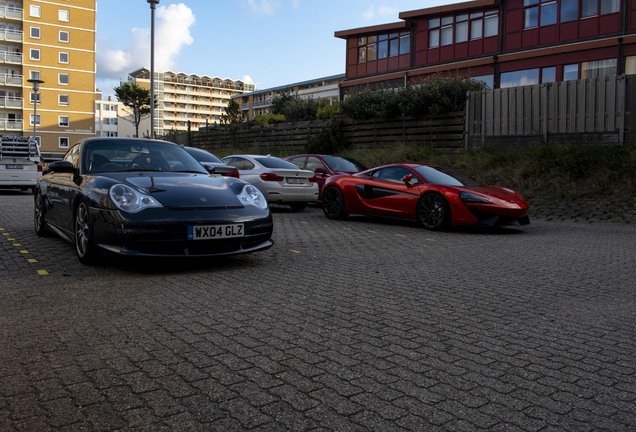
column 270, row 42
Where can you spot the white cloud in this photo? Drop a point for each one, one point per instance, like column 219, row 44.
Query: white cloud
column 262, row 7
column 379, row 12
column 172, row 34
column 247, row 79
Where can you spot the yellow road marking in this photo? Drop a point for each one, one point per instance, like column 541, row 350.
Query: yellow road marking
column 32, row 260
column 43, row 272
column 24, row 251
column 17, row 244
column 295, row 251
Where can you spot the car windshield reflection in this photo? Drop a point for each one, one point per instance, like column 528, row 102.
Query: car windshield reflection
column 132, row 155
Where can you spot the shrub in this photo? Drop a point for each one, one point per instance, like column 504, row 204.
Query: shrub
column 329, row 140
column 328, row 111
column 268, row 119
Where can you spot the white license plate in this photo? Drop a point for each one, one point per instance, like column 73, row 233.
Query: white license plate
column 211, row 232
column 13, row 166
column 292, row 180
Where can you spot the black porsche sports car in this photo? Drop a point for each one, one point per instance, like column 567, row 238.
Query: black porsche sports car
column 144, row 197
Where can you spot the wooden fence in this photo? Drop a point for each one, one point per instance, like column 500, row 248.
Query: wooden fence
column 600, row 110
column 445, row 131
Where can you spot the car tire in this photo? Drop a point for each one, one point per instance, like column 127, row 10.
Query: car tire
column 298, row 206
column 85, row 247
column 333, row 205
column 433, row 212
column 39, row 220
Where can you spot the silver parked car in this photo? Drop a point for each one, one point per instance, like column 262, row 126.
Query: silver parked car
column 280, row 181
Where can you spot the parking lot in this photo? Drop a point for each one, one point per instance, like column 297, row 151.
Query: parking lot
column 342, row 325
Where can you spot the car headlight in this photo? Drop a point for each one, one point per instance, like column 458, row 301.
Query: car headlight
column 252, row 196
column 470, row 198
column 130, row 200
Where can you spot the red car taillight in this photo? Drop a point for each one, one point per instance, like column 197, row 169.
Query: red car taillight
column 271, row 177
column 39, row 168
column 234, row 173
column 313, row 179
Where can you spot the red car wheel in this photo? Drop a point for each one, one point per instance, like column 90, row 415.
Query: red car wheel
column 433, row 211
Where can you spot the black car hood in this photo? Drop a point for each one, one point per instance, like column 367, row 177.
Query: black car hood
column 185, row 190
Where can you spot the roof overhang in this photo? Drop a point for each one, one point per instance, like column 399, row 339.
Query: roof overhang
column 397, row 26
column 448, row 8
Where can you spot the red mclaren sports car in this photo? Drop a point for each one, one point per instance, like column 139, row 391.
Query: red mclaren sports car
column 431, row 195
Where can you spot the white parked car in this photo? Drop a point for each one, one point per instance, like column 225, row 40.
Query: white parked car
column 280, row 181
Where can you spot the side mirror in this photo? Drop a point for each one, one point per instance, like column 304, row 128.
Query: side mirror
column 61, row 167
column 407, row 180
column 320, row 171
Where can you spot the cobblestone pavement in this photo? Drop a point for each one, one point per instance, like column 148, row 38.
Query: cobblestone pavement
column 343, row 325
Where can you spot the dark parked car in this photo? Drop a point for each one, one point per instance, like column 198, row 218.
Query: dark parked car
column 324, row 166
column 434, row 196
column 212, row 163
column 143, row 197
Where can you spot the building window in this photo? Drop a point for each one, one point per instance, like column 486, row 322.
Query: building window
column 539, row 13
column 446, row 31
column 63, row 142
column 34, row 74
column 519, row 78
column 433, row 32
column 488, row 80
column 63, row 121
column 63, row 15
column 570, row 72
column 35, row 33
column 63, row 58
column 589, row 8
column 37, row 120
column 62, row 100
column 598, row 68
column 548, row 74
column 569, row 10
column 491, row 23
column 33, row 98
column 610, row 6
column 630, row 65
column 371, row 48
column 461, row 28
column 64, row 36
column 34, row 54
column 63, row 79
column 35, row 11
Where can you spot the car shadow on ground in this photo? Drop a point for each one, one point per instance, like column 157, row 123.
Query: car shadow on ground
column 465, row 229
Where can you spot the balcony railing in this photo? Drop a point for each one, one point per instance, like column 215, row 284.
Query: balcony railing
column 10, row 124
column 13, row 80
column 9, row 57
column 11, row 35
column 11, row 12
column 10, row 102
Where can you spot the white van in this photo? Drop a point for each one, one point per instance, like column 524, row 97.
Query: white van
column 20, row 162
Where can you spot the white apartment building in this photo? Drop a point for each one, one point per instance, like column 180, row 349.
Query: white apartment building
column 187, row 101
column 107, row 117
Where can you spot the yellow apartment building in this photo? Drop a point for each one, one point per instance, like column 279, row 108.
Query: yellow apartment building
column 53, row 42
column 187, row 100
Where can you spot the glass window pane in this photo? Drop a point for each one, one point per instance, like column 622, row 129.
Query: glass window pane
column 548, row 74
column 433, row 22
column 394, row 47
column 570, row 72
column 383, row 49
column 461, row 32
column 630, row 65
column 491, row 26
column 362, row 55
column 530, row 2
column 548, row 14
column 486, row 79
column 589, row 8
column 519, row 78
column 405, row 44
column 610, row 6
column 476, row 29
column 569, row 10
column 598, row 68
column 447, row 35
column 531, row 17
column 371, row 52
column 433, row 38
column 447, row 20
column 462, row 17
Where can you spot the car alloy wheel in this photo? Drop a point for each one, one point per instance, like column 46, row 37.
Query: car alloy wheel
column 433, row 212
column 333, row 205
column 84, row 243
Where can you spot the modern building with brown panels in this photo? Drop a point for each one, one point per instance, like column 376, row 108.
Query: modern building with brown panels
column 52, row 42
column 505, row 43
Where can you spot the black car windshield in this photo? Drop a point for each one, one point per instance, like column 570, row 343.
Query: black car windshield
column 203, row 155
column 445, row 176
column 341, row 164
column 121, row 155
column 274, row 162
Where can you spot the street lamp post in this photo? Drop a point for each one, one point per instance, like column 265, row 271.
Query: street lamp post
column 153, row 5
column 36, row 87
